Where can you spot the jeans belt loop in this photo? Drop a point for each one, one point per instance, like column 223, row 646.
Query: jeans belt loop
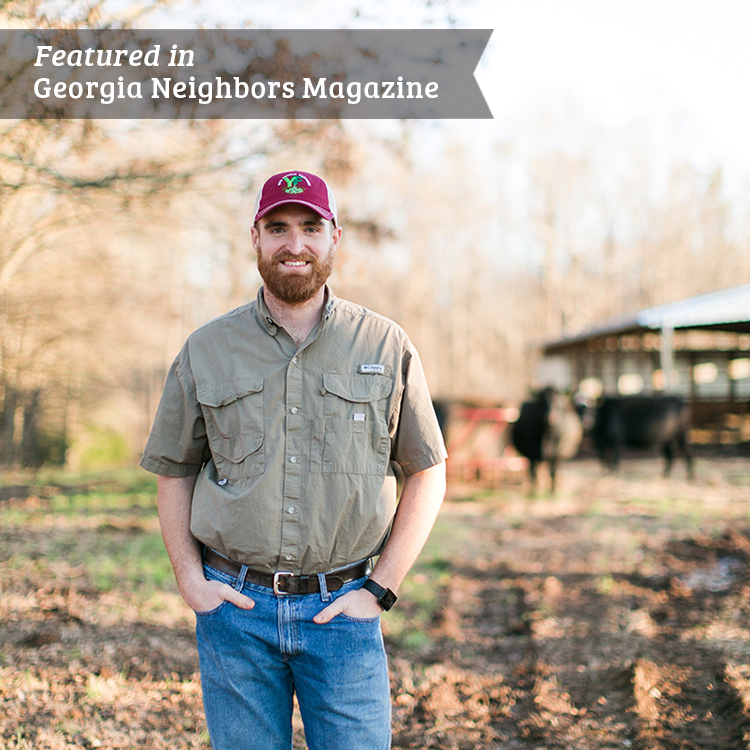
column 276, row 576
column 241, row 578
column 325, row 594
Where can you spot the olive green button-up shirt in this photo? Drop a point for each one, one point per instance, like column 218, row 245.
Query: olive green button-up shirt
column 293, row 446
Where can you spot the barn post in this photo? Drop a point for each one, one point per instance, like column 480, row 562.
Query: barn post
column 667, row 356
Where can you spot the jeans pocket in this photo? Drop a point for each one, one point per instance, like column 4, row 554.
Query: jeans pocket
column 212, row 574
column 360, row 620
column 213, row 611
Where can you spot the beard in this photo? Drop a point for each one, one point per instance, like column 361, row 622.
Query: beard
column 294, row 288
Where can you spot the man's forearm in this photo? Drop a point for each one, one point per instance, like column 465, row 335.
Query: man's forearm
column 175, row 500
column 417, row 510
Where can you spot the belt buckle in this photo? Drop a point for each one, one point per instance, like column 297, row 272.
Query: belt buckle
column 276, row 581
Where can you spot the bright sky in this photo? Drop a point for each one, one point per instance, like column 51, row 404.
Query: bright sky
column 669, row 66
column 627, row 61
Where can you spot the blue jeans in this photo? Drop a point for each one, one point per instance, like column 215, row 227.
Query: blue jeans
column 253, row 661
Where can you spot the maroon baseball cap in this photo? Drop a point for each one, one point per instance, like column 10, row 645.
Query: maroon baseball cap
column 296, row 187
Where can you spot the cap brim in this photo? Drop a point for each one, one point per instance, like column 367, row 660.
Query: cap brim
column 318, row 209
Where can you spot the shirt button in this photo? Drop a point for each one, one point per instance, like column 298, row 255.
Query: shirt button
column 294, row 410
column 291, row 511
column 293, row 459
column 288, row 557
column 294, row 359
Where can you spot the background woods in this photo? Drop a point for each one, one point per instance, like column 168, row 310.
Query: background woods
column 107, row 260
column 119, row 237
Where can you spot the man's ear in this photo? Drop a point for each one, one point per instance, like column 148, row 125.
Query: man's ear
column 254, row 237
column 336, row 238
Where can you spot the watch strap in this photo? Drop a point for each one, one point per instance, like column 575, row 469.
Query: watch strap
column 386, row 598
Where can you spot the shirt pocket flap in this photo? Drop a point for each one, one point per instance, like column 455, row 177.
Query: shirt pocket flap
column 357, row 388
column 240, row 448
column 227, row 393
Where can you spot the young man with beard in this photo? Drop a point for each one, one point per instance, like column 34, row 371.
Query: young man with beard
column 274, row 443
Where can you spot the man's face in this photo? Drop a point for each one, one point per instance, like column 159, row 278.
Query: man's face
column 295, row 248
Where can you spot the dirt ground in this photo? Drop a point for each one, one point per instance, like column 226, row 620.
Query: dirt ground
column 615, row 615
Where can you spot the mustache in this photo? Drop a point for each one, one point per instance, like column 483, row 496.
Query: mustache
column 281, row 257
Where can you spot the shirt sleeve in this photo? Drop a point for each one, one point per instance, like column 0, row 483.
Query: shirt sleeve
column 418, row 443
column 177, row 445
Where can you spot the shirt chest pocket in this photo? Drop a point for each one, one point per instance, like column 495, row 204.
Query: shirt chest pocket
column 234, row 424
column 355, row 434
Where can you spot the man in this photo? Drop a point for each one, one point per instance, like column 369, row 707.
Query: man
column 273, row 443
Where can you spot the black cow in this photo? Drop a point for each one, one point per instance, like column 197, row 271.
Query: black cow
column 642, row 422
column 548, row 429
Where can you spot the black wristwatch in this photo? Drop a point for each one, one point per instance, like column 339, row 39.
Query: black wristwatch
column 386, row 598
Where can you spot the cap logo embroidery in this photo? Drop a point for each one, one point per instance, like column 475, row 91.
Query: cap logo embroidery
column 293, row 185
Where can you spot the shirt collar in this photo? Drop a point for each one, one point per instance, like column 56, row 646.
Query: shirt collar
column 271, row 326
column 331, row 300
column 264, row 316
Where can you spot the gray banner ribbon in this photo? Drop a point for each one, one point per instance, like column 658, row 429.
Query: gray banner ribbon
column 246, row 74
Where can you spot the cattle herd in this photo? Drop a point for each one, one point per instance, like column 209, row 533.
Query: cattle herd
column 550, row 428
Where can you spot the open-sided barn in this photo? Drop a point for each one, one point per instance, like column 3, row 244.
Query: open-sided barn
column 698, row 348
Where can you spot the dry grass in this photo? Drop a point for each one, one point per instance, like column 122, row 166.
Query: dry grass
column 614, row 615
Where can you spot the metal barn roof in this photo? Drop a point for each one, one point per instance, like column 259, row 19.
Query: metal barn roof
column 728, row 309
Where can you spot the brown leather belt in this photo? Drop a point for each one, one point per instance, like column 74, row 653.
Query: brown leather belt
column 283, row 582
